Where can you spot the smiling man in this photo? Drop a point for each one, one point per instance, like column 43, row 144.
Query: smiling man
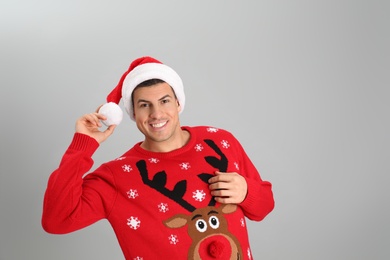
column 156, row 113
column 181, row 193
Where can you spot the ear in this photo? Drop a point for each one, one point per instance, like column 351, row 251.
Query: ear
column 176, row 221
column 229, row 208
column 178, row 106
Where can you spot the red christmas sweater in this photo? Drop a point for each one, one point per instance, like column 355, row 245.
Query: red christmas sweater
column 159, row 204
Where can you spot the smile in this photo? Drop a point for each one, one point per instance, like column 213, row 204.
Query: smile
column 159, row 124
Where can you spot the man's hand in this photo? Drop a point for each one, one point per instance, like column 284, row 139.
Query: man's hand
column 228, row 187
column 89, row 125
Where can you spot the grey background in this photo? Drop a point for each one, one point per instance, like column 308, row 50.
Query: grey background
column 304, row 85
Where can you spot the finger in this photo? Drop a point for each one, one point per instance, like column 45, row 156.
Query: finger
column 221, row 193
column 100, row 116
column 226, row 176
column 97, row 109
column 219, row 177
column 224, row 200
column 229, row 198
column 92, row 119
column 219, row 186
column 110, row 129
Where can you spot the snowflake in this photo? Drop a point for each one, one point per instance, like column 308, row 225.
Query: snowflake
column 236, row 165
column 133, row 222
column 153, row 160
column 185, row 166
column 173, row 240
column 163, row 207
column 127, row 168
column 199, row 195
column 132, row 194
column 138, row 258
column 242, row 222
column 120, row 158
column 198, row 147
column 225, row 144
column 212, row 130
column 249, row 253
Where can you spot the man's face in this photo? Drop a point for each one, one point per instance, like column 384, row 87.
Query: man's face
column 156, row 113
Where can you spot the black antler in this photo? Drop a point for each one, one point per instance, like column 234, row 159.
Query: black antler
column 220, row 164
column 158, row 183
column 160, row 179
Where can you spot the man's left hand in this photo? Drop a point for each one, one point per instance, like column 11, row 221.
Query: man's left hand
column 228, row 188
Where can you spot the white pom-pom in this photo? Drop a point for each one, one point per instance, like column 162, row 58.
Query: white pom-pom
column 112, row 112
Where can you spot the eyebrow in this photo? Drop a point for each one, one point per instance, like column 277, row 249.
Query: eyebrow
column 147, row 101
column 210, row 212
column 196, row 216
column 164, row 97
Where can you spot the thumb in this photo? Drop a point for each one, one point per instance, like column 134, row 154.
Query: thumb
column 109, row 130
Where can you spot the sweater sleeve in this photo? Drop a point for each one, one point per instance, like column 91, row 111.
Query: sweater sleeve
column 259, row 201
column 73, row 198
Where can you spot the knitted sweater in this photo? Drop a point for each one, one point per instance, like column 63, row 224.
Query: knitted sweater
column 159, row 204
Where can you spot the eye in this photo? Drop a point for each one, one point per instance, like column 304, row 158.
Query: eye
column 214, row 222
column 144, row 105
column 164, row 101
column 201, row 225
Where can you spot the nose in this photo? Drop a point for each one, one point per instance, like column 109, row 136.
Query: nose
column 155, row 113
column 215, row 247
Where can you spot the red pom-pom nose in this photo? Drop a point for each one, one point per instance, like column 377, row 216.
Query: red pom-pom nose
column 215, row 247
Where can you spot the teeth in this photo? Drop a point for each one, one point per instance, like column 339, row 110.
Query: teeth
column 159, row 124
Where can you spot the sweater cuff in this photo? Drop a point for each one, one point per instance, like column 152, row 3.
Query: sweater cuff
column 251, row 195
column 84, row 143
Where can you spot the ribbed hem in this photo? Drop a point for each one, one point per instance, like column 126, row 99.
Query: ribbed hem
column 252, row 194
column 260, row 196
column 85, row 143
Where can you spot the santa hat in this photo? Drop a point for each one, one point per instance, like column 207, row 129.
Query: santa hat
column 140, row 70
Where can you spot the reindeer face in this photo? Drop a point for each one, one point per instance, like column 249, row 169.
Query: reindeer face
column 207, row 221
column 208, row 229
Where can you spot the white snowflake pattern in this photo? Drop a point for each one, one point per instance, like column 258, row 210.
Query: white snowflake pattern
column 132, row 194
column 212, row 129
column 198, row 147
column 163, row 207
column 173, row 240
column 237, row 165
column 153, row 160
column 133, row 222
column 242, row 222
column 138, row 258
column 127, row 168
column 249, row 253
column 199, row 195
column 185, row 166
column 225, row 144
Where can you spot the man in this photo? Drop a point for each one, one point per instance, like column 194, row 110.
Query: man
column 181, row 193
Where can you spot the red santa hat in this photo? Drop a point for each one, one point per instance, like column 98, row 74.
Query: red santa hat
column 140, row 70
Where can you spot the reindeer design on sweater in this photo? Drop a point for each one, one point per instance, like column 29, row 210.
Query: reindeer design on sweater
column 208, row 229
column 207, row 226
